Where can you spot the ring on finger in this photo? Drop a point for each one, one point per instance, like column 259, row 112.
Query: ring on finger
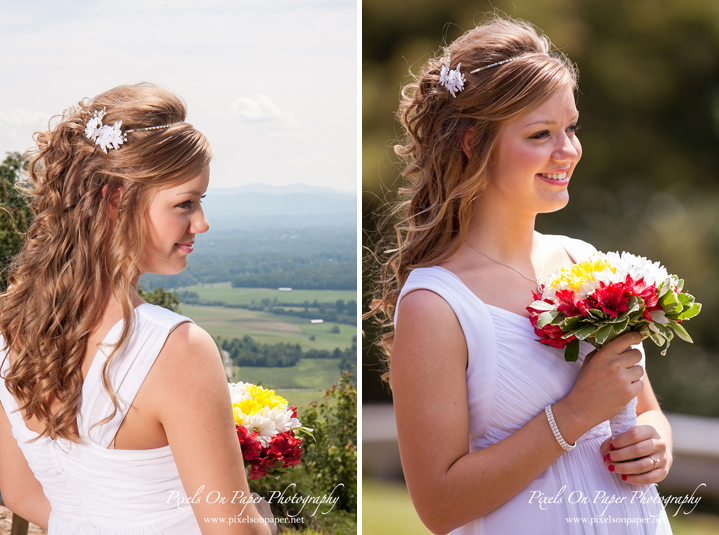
column 656, row 462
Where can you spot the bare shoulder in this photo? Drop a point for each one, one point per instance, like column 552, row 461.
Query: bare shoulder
column 428, row 337
column 189, row 364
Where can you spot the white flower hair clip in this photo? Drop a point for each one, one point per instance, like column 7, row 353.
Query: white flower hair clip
column 451, row 79
column 111, row 137
column 103, row 134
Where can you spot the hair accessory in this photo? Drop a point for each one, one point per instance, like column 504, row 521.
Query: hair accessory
column 451, row 79
column 111, row 137
column 494, row 64
column 103, row 134
column 555, row 430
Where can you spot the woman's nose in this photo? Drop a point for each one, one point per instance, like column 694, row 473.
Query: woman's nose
column 199, row 223
column 569, row 151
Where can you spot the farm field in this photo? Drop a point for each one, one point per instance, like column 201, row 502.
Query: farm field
column 268, row 328
column 223, row 291
column 313, row 374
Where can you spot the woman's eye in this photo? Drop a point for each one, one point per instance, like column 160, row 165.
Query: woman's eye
column 574, row 128
column 185, row 205
column 540, row 135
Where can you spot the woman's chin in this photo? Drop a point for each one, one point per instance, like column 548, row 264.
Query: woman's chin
column 555, row 204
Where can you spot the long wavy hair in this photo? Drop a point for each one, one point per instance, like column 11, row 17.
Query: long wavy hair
column 77, row 251
column 434, row 206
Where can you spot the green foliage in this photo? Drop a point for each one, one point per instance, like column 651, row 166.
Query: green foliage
column 15, row 215
column 161, row 297
column 247, row 352
column 332, row 457
column 335, row 329
column 326, row 463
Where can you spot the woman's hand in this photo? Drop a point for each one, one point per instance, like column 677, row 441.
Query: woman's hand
column 644, row 444
column 608, row 380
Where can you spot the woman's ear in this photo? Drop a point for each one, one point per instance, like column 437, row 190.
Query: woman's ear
column 114, row 204
column 467, row 142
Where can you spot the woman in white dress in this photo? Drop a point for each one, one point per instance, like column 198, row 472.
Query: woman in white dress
column 491, row 142
column 117, row 417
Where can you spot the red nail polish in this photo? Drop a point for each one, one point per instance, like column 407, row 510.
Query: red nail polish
column 607, row 457
column 624, row 478
column 611, row 468
column 611, row 446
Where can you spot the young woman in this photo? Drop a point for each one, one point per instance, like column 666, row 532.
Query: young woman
column 117, row 416
column 492, row 142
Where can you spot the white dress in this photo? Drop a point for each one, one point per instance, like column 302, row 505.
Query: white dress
column 510, row 379
column 94, row 490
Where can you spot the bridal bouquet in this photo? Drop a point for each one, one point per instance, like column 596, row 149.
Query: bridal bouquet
column 605, row 296
column 267, row 429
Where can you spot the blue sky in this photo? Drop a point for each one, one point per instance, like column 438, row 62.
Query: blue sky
column 272, row 84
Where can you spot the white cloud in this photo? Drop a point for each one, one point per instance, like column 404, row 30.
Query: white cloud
column 262, row 111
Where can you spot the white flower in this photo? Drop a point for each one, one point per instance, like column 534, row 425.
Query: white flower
column 263, row 425
column 104, row 135
column 451, row 79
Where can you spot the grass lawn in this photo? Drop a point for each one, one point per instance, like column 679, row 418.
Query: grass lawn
column 314, row 374
column 223, row 291
column 387, row 510
column 268, row 328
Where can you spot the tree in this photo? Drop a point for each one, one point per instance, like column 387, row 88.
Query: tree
column 15, row 215
column 161, row 297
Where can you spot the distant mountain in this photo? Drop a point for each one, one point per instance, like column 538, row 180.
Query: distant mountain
column 263, row 206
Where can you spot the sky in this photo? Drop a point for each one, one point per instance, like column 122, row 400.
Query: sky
column 273, row 85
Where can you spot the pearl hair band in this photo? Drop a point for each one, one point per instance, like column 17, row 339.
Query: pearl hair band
column 453, row 80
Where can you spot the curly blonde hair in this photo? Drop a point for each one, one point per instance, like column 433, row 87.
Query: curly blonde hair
column 435, row 206
column 75, row 252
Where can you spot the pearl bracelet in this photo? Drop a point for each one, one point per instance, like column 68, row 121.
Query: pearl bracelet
column 555, row 430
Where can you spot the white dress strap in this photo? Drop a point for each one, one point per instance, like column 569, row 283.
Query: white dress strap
column 153, row 324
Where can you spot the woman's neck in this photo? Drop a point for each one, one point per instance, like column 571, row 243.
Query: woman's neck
column 506, row 236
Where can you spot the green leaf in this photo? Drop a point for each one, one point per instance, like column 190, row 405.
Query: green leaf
column 546, row 317
column 661, row 330
column 541, row 305
column 603, row 334
column 680, row 285
column 569, row 324
column 620, row 326
column 582, row 333
column 685, row 299
column 670, row 303
column 571, row 351
column 690, row 312
column 680, row 331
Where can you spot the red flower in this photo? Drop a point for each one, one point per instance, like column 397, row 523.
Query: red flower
column 612, row 298
column 257, row 471
column 251, row 447
column 290, row 446
column 565, row 300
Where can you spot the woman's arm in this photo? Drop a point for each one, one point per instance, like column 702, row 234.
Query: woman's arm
column 449, row 485
column 651, row 437
column 192, row 401
column 21, row 492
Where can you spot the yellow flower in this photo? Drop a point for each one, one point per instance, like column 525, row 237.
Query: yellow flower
column 257, row 399
column 572, row 278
